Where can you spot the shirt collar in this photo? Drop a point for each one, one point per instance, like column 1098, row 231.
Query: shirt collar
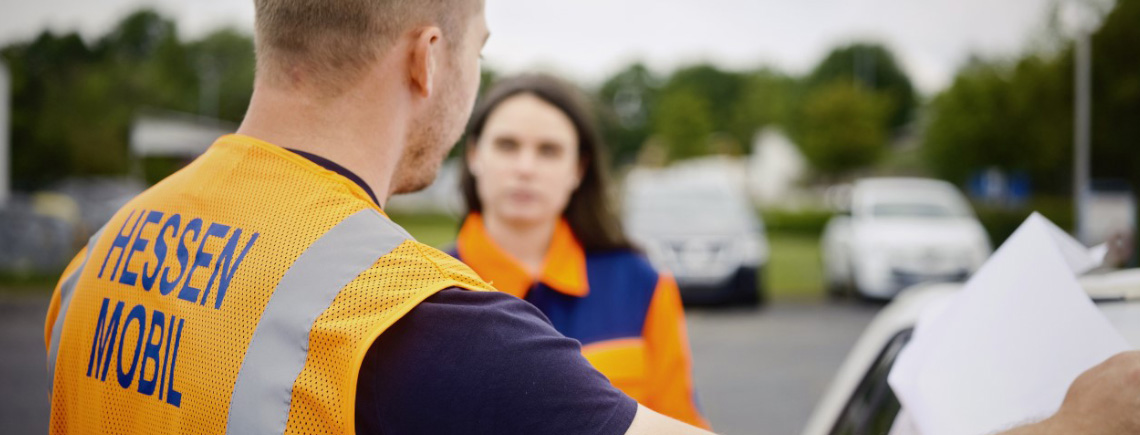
column 564, row 266
column 343, row 171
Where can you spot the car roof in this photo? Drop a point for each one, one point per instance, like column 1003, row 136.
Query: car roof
column 899, row 183
column 877, row 189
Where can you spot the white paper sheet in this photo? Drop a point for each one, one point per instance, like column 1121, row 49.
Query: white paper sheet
column 1004, row 351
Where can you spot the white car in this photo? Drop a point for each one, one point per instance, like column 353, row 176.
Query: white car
column 897, row 232
column 701, row 229
column 859, row 400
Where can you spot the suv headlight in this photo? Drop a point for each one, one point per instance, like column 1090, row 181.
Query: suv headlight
column 753, row 250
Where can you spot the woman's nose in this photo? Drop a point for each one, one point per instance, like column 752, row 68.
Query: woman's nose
column 527, row 163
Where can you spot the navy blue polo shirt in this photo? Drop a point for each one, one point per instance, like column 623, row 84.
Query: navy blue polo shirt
column 480, row 362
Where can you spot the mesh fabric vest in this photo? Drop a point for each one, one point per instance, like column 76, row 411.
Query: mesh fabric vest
column 239, row 295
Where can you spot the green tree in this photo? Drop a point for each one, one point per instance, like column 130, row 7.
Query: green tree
column 875, row 68
column 767, row 98
column 60, row 125
column 1014, row 117
column 683, row 120
column 720, row 89
column 624, row 105
column 150, row 65
column 73, row 102
column 1116, row 95
column 1019, row 116
column 841, row 127
column 223, row 66
column 697, row 110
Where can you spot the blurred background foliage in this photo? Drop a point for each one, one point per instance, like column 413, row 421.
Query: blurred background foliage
column 855, row 113
column 74, row 101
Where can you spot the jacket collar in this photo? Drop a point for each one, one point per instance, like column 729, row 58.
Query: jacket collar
column 564, row 267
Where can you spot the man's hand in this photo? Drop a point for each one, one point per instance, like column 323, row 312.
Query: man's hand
column 1105, row 400
column 648, row 422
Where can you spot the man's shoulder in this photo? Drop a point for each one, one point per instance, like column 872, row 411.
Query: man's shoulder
column 422, row 263
column 456, row 308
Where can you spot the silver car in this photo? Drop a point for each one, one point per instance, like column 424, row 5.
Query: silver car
column 704, row 231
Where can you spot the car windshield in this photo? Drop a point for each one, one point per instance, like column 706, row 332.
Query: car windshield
column 915, row 209
column 918, row 203
column 695, row 210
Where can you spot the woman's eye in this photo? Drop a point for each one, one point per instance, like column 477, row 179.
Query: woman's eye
column 506, row 145
column 549, row 150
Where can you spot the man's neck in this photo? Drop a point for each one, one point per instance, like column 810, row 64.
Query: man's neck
column 337, row 129
column 526, row 242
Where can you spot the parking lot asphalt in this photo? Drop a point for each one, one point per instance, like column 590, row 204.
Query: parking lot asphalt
column 756, row 371
column 762, row 372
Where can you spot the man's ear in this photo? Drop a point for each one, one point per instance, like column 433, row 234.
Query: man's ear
column 425, row 54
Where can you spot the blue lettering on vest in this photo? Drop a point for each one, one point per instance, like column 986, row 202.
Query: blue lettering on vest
column 190, row 293
column 174, row 397
column 170, row 277
column 127, row 277
column 165, row 360
column 165, row 286
column 183, row 252
column 151, row 353
column 104, row 342
column 120, row 242
column 138, row 315
column 160, row 253
column 225, row 268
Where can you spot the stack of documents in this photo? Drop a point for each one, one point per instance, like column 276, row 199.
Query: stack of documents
column 1003, row 352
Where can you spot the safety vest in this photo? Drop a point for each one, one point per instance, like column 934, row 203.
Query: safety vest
column 626, row 315
column 239, row 296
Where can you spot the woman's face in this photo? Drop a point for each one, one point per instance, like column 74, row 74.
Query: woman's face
column 526, row 162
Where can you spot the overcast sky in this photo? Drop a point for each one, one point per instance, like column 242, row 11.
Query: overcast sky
column 589, row 39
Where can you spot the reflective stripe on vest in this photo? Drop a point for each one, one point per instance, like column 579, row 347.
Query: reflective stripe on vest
column 65, row 292
column 277, row 352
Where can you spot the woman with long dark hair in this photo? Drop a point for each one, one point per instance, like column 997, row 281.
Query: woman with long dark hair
column 540, row 226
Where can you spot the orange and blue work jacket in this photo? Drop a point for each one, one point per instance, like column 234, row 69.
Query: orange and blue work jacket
column 627, row 316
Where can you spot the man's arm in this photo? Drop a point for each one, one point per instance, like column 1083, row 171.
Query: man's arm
column 1103, row 400
column 647, row 422
column 483, row 362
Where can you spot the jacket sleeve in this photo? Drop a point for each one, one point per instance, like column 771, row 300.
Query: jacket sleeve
column 670, row 379
column 53, row 309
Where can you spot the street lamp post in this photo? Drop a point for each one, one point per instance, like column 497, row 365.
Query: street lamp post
column 5, row 135
column 1081, row 19
column 1082, row 123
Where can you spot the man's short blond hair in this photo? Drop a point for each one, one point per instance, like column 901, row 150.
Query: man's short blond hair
column 333, row 41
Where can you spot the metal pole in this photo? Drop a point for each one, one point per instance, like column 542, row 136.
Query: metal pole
column 208, row 88
column 5, row 135
column 1081, row 131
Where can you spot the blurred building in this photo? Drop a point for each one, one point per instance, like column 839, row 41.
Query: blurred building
column 41, row 231
column 173, row 134
column 442, row 197
column 775, row 169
